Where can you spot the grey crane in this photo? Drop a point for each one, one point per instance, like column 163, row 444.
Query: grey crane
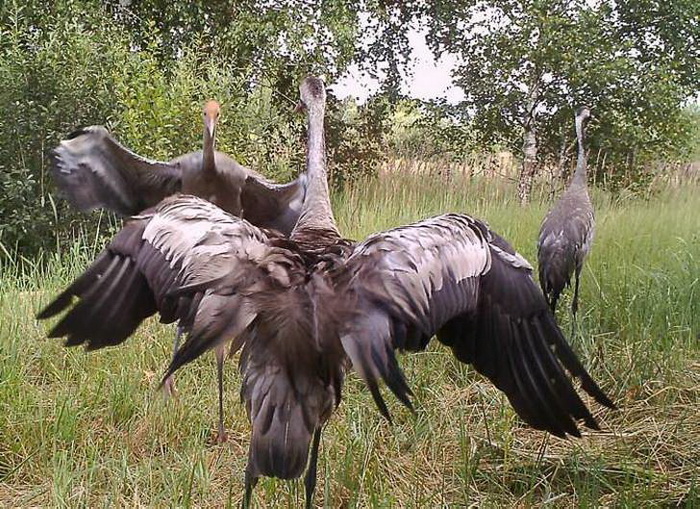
column 96, row 171
column 302, row 309
column 567, row 231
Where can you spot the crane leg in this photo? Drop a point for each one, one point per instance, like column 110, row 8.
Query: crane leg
column 169, row 383
column 574, row 302
column 220, row 352
column 250, row 482
column 552, row 299
column 310, row 478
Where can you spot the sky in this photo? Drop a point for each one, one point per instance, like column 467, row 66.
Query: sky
column 430, row 79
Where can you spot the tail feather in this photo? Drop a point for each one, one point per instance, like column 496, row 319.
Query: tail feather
column 555, row 267
column 283, row 423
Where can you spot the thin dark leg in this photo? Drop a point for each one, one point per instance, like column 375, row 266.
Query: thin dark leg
column 310, row 479
column 574, row 303
column 169, row 383
column 220, row 352
column 250, row 483
column 553, row 302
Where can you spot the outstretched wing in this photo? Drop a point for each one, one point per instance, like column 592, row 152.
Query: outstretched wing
column 174, row 260
column 452, row 277
column 270, row 205
column 95, row 171
column 223, row 279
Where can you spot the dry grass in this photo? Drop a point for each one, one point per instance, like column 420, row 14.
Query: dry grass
column 81, row 429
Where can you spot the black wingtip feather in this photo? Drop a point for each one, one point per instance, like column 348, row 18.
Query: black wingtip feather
column 79, row 286
column 379, row 401
column 509, row 340
column 562, row 398
column 392, row 375
column 78, row 132
column 56, row 306
column 193, row 347
column 574, row 366
column 588, row 385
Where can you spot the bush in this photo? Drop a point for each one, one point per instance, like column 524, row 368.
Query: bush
column 54, row 75
column 72, row 64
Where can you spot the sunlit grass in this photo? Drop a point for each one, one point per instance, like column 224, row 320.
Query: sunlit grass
column 81, row 429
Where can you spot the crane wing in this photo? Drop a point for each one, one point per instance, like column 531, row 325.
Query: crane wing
column 184, row 259
column 452, row 277
column 270, row 205
column 223, row 279
column 94, row 171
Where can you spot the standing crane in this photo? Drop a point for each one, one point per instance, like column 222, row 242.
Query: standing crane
column 567, row 231
column 96, row 171
column 302, row 309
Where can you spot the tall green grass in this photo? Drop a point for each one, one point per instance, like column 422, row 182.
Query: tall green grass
column 81, row 429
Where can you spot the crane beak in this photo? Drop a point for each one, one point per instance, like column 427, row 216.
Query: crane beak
column 210, row 124
column 300, row 107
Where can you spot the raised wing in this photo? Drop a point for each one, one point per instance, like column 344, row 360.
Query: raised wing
column 270, row 205
column 95, row 171
column 224, row 279
column 451, row 276
column 172, row 259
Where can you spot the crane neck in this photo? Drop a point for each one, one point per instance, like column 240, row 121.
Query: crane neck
column 580, row 175
column 208, row 152
column 316, row 212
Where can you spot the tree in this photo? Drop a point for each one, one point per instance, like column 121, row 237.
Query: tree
column 526, row 65
column 143, row 69
column 277, row 41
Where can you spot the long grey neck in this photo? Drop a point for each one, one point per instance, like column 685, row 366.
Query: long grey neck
column 208, row 159
column 316, row 212
column 580, row 177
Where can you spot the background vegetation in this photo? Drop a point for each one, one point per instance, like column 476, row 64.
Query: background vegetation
column 84, row 429
column 144, row 69
column 90, row 430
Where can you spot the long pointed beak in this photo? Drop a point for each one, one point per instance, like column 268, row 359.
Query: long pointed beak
column 210, row 124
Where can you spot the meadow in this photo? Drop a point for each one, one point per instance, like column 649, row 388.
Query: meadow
column 84, row 429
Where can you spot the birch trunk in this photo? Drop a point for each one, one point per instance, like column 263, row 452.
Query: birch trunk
column 529, row 166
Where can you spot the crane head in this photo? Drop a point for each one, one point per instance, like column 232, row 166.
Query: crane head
column 584, row 113
column 313, row 94
column 211, row 113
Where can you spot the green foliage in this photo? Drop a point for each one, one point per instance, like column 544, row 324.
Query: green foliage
column 90, row 429
column 287, row 38
column 425, row 130
column 144, row 70
column 692, row 121
column 536, row 61
column 356, row 139
column 54, row 75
